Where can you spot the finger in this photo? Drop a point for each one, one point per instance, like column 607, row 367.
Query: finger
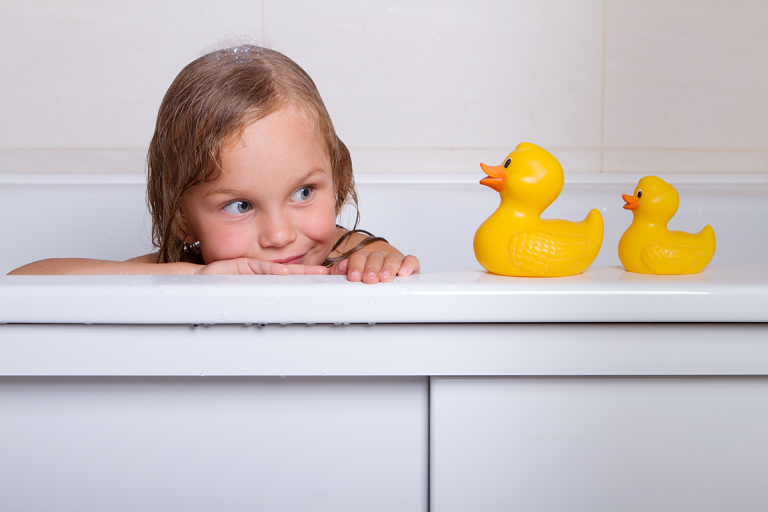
column 390, row 267
column 340, row 268
column 356, row 265
column 265, row 267
column 372, row 268
column 308, row 270
column 410, row 265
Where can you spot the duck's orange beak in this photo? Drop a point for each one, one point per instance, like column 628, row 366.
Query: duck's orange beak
column 633, row 203
column 497, row 177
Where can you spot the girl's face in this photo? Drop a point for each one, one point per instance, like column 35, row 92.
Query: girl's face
column 274, row 200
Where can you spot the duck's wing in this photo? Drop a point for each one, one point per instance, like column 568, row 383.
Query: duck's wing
column 542, row 254
column 670, row 259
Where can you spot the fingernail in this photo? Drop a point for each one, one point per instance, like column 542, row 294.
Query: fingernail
column 385, row 275
column 371, row 275
column 354, row 274
column 403, row 271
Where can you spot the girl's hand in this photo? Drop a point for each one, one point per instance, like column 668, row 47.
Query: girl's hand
column 248, row 266
column 373, row 267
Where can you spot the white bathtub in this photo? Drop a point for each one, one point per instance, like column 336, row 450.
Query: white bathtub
column 453, row 390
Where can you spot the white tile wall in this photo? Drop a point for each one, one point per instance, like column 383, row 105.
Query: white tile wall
column 686, row 86
column 412, row 86
column 85, row 76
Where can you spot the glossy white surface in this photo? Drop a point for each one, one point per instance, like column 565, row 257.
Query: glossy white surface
column 736, row 293
column 383, row 349
column 599, row 444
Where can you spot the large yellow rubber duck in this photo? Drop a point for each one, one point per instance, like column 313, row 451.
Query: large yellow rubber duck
column 648, row 247
column 515, row 241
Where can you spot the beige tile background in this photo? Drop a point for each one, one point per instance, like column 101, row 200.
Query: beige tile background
column 413, row 86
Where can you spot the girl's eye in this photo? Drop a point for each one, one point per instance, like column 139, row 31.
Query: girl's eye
column 302, row 194
column 639, row 194
column 237, row 207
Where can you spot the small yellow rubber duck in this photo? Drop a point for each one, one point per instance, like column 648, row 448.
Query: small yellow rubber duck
column 648, row 247
column 515, row 241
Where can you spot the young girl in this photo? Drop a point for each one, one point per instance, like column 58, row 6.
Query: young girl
column 246, row 175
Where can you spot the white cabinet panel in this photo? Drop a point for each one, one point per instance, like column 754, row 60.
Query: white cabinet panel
column 629, row 444
column 213, row 444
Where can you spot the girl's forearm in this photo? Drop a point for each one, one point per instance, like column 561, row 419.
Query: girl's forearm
column 81, row 266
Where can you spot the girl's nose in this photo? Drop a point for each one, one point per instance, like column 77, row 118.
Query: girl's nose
column 277, row 231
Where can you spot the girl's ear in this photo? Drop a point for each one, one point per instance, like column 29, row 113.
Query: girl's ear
column 184, row 229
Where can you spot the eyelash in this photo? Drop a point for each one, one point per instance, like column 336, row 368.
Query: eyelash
column 250, row 206
column 311, row 191
column 235, row 203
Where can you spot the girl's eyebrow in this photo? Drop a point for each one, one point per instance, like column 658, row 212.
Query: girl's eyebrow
column 227, row 191
column 310, row 174
column 233, row 192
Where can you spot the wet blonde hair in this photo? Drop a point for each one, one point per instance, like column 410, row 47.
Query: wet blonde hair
column 208, row 105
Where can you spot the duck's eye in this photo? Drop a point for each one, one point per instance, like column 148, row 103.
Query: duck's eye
column 639, row 194
column 238, row 207
column 302, row 194
column 506, row 164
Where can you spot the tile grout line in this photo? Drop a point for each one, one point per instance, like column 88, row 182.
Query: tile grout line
column 602, row 86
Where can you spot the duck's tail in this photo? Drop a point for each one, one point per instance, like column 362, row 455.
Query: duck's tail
column 596, row 229
column 707, row 235
column 595, row 222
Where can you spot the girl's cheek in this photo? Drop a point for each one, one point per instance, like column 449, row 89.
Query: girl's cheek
column 225, row 244
column 327, row 231
column 320, row 222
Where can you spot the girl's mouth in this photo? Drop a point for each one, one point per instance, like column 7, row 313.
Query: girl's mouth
column 294, row 260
